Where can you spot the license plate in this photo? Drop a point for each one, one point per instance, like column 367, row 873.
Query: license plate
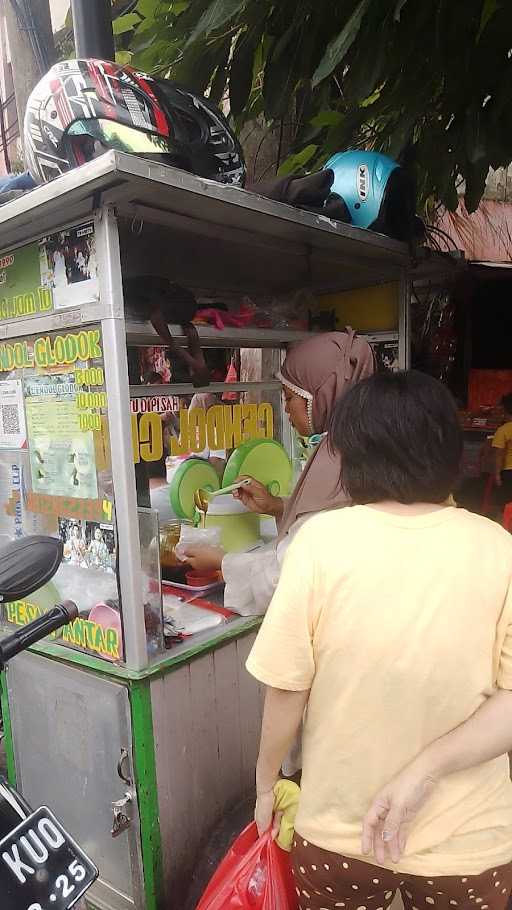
column 41, row 866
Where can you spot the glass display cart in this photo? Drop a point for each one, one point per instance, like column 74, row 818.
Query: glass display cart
column 138, row 725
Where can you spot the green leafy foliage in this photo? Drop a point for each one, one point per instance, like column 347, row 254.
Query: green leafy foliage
column 327, row 118
column 216, row 15
column 427, row 82
column 296, row 164
column 125, row 23
column 338, row 48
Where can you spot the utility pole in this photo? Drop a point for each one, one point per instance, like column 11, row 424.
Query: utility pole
column 29, row 30
column 92, row 25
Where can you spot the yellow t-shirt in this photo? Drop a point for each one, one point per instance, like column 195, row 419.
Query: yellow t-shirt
column 401, row 627
column 503, row 440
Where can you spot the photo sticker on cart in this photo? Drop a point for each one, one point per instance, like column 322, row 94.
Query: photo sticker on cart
column 88, row 544
column 386, row 355
column 41, row 866
column 58, row 272
column 68, row 266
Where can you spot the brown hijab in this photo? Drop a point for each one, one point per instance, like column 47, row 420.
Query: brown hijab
column 321, row 369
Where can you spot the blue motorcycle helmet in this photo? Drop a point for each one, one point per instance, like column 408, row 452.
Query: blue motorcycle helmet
column 377, row 192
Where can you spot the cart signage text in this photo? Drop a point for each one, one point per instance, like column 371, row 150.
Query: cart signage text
column 81, row 632
column 46, row 352
column 218, row 427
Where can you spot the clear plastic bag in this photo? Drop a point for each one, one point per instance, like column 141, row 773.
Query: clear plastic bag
column 290, row 312
column 196, row 537
column 254, row 875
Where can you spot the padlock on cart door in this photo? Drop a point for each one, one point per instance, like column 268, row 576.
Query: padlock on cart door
column 122, row 814
column 122, row 808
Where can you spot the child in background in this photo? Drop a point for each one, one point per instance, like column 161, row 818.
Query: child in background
column 502, row 444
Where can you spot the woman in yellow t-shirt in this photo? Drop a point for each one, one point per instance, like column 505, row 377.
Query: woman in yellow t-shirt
column 392, row 627
column 502, row 445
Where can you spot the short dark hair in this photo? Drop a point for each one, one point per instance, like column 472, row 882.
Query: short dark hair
column 507, row 403
column 399, row 438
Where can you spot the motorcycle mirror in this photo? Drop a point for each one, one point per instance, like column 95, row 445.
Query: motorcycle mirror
column 28, row 564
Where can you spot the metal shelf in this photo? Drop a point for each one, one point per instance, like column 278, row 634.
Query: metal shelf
column 242, row 242
column 143, row 334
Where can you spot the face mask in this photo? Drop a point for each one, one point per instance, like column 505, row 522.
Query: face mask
column 308, row 444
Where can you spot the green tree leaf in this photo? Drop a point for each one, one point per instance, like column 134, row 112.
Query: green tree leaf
column 398, row 9
column 475, row 177
column 125, row 23
column 195, row 70
column 341, row 44
column 242, row 70
column 489, row 8
column 124, row 57
column 296, row 163
column 147, row 8
column 281, row 76
column 365, row 70
column 327, row 118
column 218, row 14
column 220, row 78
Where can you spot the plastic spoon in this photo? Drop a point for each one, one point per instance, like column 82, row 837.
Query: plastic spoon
column 203, row 497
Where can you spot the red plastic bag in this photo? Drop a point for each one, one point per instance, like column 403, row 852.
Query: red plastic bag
column 255, row 875
column 230, row 377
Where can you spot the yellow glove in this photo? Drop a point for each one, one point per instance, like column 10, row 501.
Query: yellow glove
column 286, row 800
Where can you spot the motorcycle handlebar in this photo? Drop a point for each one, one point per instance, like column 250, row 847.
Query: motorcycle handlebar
column 59, row 616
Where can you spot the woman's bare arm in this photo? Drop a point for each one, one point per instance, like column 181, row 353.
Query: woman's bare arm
column 282, row 717
column 483, row 737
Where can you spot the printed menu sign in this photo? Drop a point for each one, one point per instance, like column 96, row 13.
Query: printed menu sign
column 62, row 455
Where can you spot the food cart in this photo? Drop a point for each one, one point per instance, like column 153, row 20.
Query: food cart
column 138, row 747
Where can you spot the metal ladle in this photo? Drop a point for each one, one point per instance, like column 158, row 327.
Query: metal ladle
column 202, row 497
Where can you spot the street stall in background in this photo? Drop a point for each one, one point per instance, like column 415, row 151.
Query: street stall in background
column 460, row 332
column 137, row 723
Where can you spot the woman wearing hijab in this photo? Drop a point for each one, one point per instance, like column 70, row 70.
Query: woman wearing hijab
column 315, row 374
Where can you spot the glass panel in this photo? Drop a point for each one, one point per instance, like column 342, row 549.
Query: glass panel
column 177, row 429
column 168, row 430
column 56, row 478
column 152, row 364
column 151, row 580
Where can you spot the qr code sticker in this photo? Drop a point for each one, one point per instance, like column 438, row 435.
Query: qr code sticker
column 10, row 419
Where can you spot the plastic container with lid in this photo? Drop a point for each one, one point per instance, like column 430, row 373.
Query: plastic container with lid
column 239, row 528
